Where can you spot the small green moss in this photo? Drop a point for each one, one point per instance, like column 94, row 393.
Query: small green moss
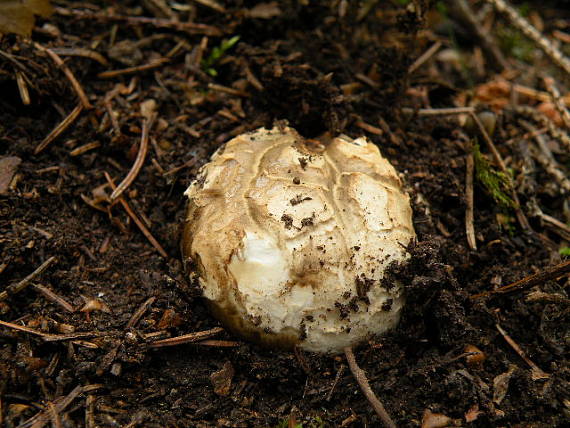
column 564, row 251
column 524, row 9
column 441, row 7
column 513, row 43
column 496, row 183
column 216, row 54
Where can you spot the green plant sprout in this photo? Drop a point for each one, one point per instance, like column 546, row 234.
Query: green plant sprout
column 216, row 54
column 496, row 183
column 564, row 251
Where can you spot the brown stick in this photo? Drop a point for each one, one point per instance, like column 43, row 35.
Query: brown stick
column 140, row 312
column 424, row 57
column 13, row 289
column 62, row 126
column 469, row 210
column 187, row 338
column 48, row 337
column 532, row 33
column 362, row 381
column 131, row 70
column 74, row 83
column 339, row 374
column 444, row 111
column 219, row 343
column 537, row 372
column 61, row 403
column 137, row 165
column 50, row 295
column 557, row 100
column 190, row 27
column 547, row 274
column 137, row 221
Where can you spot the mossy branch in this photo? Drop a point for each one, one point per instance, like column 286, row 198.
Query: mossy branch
column 496, row 183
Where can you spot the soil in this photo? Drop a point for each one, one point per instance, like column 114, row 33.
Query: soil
column 327, row 68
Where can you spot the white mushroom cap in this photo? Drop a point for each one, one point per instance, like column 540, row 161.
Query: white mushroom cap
column 291, row 239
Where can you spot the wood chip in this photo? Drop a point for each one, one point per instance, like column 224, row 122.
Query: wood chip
column 8, row 167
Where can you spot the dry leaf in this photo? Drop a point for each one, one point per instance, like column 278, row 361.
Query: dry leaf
column 222, row 379
column 495, row 93
column 473, row 413
column 549, row 110
column 169, row 319
column 17, row 16
column 501, row 385
column 435, row 420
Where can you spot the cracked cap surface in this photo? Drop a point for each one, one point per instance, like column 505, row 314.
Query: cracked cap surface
column 290, row 239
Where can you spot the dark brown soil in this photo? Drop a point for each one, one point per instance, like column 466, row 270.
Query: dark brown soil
column 323, row 73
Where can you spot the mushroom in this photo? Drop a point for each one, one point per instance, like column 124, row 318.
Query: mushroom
column 290, row 239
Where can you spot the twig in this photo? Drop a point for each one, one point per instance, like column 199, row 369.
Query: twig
column 360, row 377
column 562, row 36
column 544, row 120
column 73, row 336
column 546, row 159
column 24, row 329
column 368, row 128
column 140, row 312
column 424, row 57
column 532, row 33
column 212, row 4
column 187, row 338
column 190, row 27
column 557, row 100
column 23, row 88
column 137, row 221
column 521, row 217
column 16, row 288
column 139, row 161
column 444, row 111
column 82, row 52
column 558, row 227
column 219, row 343
column 90, row 411
column 337, row 378
column 186, row 164
column 462, row 11
column 108, row 359
column 60, row 404
column 48, row 337
column 74, row 83
column 54, row 416
column 50, row 295
column 537, row 373
column 547, row 274
column 469, row 210
column 130, row 70
column 12, row 59
column 227, row 90
column 62, row 126
column 84, row 148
